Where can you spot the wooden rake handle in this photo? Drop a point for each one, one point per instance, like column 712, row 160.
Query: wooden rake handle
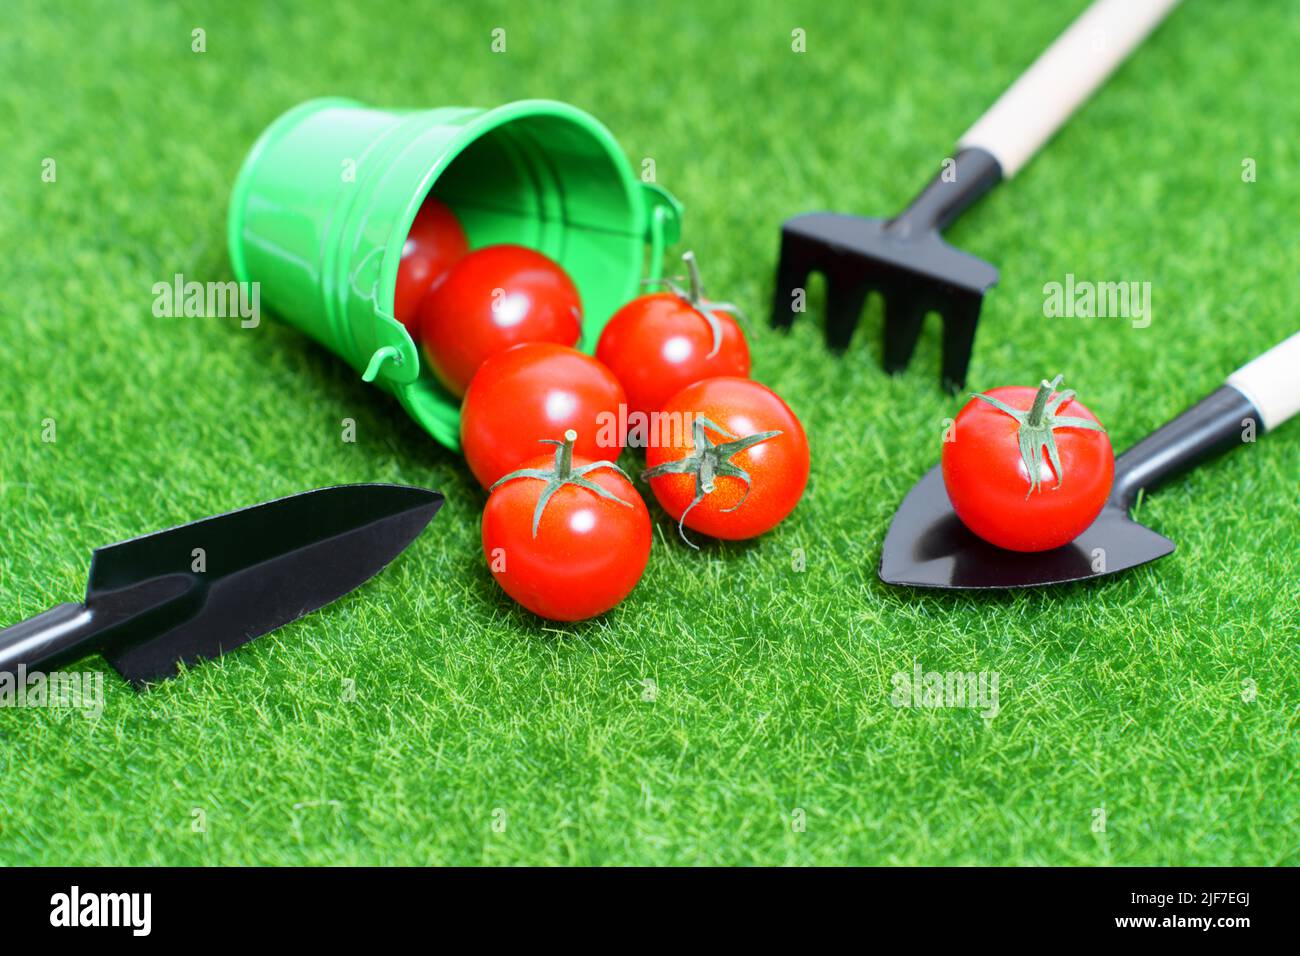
column 1037, row 104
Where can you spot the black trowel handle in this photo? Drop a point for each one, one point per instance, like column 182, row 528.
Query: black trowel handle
column 46, row 637
column 1258, row 397
column 1037, row 104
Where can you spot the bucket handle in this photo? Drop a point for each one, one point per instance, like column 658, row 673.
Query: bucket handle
column 381, row 355
column 663, row 224
column 391, row 342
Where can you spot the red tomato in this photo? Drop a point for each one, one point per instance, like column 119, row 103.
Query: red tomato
column 574, row 553
column 658, row 344
column 435, row 242
column 1034, row 504
column 737, row 465
column 534, row 392
column 493, row 298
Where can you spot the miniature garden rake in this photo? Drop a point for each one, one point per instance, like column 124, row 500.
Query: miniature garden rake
column 905, row 259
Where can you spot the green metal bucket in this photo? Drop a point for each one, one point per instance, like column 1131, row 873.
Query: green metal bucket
column 322, row 206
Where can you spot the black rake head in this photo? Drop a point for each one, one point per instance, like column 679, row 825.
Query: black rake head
column 905, row 260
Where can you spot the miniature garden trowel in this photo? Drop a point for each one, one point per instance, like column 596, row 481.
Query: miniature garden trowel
column 928, row 546
column 202, row 589
column 904, row 258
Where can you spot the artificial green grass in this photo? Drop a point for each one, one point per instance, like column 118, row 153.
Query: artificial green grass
column 478, row 734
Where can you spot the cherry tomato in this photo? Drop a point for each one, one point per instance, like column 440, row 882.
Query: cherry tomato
column 566, row 537
column 1037, row 498
column 738, row 463
column 493, row 298
column 658, row 344
column 533, row 392
column 435, row 242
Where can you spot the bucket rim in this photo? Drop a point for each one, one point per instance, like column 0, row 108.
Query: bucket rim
column 486, row 121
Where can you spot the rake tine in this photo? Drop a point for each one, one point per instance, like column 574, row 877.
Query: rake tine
column 792, row 271
column 959, row 320
column 844, row 301
column 906, row 252
column 904, row 313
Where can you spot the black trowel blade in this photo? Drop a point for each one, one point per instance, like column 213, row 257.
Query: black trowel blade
column 245, row 573
column 928, row 546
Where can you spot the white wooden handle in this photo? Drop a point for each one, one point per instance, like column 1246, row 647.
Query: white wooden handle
column 1036, row 105
column 1272, row 382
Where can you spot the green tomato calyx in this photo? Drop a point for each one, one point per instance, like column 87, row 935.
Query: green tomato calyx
column 1037, row 425
column 563, row 473
column 694, row 297
column 707, row 462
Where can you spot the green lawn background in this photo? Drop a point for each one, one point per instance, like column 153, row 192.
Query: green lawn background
column 1164, row 700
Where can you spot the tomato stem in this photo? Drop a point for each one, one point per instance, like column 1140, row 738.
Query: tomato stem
column 693, row 271
column 1045, row 388
column 707, row 461
column 693, row 296
column 564, row 457
column 562, row 473
column 1037, row 426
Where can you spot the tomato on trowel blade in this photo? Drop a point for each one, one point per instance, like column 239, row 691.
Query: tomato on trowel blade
column 929, row 546
column 1027, row 469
